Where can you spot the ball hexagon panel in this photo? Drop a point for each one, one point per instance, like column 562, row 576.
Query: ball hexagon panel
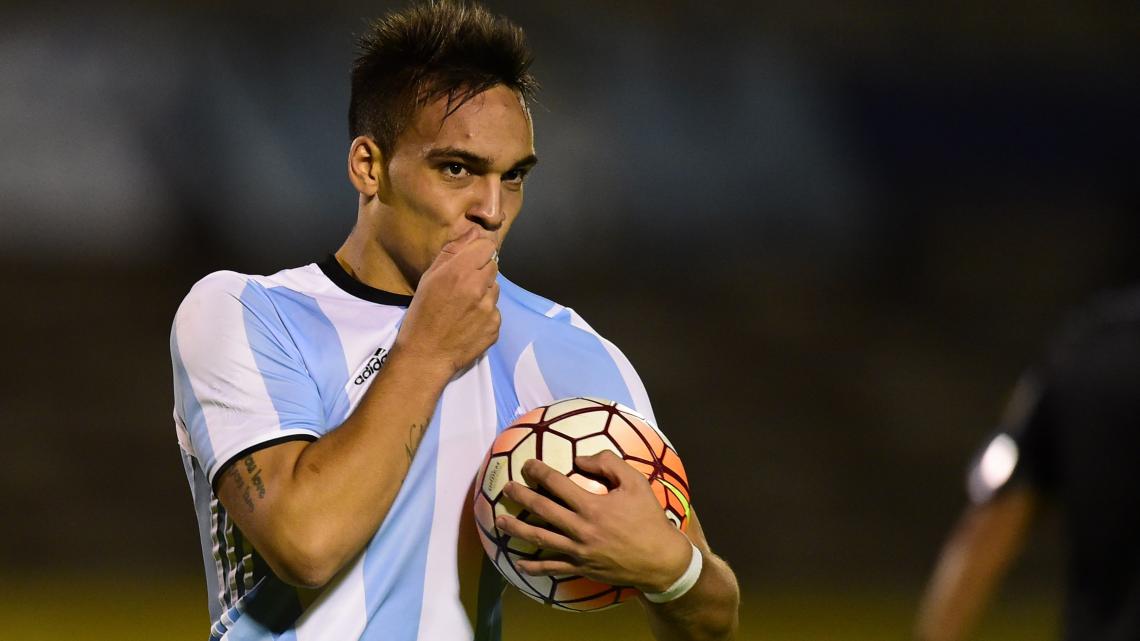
column 561, row 408
column 510, row 438
column 523, row 452
column 495, row 476
column 629, row 440
column 581, row 425
column 557, row 452
column 594, row 444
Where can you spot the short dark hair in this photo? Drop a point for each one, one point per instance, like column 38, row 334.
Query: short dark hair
column 411, row 58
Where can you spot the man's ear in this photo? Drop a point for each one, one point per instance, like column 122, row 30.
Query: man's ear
column 366, row 166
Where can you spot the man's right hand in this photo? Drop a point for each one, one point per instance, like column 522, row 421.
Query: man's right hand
column 453, row 317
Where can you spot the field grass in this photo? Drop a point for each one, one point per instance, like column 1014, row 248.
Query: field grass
column 98, row 608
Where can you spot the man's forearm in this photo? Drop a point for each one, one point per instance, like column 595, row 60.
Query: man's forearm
column 709, row 611
column 972, row 564
column 310, row 509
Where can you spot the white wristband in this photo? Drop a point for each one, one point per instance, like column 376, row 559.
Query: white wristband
column 682, row 584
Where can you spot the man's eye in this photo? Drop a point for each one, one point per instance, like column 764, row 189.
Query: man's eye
column 515, row 175
column 454, row 170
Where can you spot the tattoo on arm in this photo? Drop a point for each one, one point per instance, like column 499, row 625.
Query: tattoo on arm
column 415, row 434
column 256, row 484
column 241, row 486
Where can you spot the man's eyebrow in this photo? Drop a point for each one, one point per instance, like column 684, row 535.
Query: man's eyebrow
column 476, row 162
column 526, row 163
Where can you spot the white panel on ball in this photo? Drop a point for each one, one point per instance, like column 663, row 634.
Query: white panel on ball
column 595, row 444
column 582, row 425
column 544, row 584
column 506, row 506
column 522, row 546
column 567, row 406
column 557, row 452
column 525, row 451
column 495, row 477
column 508, row 571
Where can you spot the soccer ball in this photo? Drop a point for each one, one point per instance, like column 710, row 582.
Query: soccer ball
column 555, row 434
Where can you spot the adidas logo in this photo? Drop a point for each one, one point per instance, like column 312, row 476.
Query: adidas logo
column 372, row 366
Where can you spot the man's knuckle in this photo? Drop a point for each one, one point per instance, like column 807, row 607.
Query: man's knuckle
column 578, row 550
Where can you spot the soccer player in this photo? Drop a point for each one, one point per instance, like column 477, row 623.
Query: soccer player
column 332, row 417
column 1069, row 438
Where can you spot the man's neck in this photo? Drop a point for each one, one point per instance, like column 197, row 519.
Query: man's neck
column 368, row 262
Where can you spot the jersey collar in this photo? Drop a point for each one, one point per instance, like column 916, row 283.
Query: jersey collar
column 331, row 268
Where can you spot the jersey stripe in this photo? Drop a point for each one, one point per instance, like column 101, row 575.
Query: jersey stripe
column 529, row 383
column 637, row 393
column 278, row 360
column 340, row 611
column 395, row 561
column 187, row 405
column 576, row 364
column 462, row 401
column 320, row 347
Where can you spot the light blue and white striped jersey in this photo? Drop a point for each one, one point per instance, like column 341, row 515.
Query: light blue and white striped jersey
column 263, row 359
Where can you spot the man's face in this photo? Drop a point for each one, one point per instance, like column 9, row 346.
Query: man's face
column 446, row 176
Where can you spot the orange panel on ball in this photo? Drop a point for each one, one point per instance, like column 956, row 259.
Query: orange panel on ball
column 509, row 439
column 648, row 431
column 589, row 484
column 628, row 440
column 645, row 468
column 672, row 462
column 530, row 418
column 678, row 482
column 581, row 588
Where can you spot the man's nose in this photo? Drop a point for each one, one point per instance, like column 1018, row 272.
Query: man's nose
column 487, row 210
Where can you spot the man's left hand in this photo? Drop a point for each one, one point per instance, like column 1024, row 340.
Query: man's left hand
column 620, row 538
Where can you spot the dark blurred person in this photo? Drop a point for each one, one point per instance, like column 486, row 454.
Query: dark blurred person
column 1070, row 437
column 332, row 416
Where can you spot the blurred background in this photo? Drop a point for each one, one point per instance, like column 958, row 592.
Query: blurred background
column 829, row 235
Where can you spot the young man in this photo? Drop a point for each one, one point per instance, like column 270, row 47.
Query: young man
column 332, row 417
column 1069, row 439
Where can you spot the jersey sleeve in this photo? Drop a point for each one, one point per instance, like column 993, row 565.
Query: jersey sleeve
column 573, row 360
column 1020, row 450
column 240, row 383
